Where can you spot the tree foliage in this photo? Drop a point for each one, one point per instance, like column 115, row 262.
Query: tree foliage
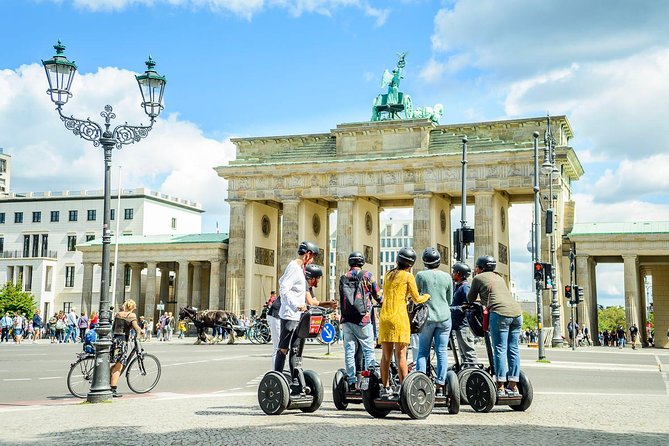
column 611, row 318
column 529, row 321
column 12, row 299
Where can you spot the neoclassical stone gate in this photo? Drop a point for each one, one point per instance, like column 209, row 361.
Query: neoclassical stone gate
column 283, row 188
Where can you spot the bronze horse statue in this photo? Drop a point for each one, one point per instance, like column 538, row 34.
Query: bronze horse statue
column 210, row 319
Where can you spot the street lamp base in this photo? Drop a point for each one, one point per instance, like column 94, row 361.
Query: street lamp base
column 557, row 343
column 99, row 397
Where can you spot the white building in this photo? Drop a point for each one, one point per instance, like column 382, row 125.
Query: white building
column 39, row 232
column 5, row 172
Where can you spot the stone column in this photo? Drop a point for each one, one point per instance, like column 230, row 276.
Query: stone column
column 632, row 293
column 197, row 285
column 586, row 279
column 150, row 295
column 421, row 223
column 120, row 285
column 289, row 233
column 484, row 231
column 86, row 289
column 164, row 295
column 235, row 283
column 214, row 284
column 344, row 233
column 136, row 284
column 182, row 284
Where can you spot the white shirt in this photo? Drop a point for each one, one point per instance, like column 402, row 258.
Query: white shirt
column 292, row 289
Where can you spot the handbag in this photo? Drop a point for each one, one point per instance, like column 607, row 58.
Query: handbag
column 418, row 314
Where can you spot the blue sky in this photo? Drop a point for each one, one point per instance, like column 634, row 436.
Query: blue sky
column 266, row 67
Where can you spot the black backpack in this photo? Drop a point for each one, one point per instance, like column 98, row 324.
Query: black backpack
column 353, row 298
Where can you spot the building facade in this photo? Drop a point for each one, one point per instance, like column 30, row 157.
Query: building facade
column 5, row 172
column 39, row 233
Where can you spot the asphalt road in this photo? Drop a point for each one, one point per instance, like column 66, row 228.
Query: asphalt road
column 36, row 373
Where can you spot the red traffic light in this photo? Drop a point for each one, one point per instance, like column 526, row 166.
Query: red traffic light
column 567, row 288
column 537, row 266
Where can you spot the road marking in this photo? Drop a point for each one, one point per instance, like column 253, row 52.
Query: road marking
column 52, row 377
column 17, row 379
column 639, row 395
column 32, row 354
column 659, row 363
column 606, row 367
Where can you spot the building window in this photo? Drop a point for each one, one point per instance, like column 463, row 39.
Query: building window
column 26, row 245
column 18, row 217
column 3, row 166
column 73, row 215
column 90, row 237
column 2, row 244
column 2, row 218
column 69, row 276
column 394, row 243
column 45, row 245
column 48, row 278
column 383, row 243
column 90, row 215
column 112, row 214
column 37, row 217
column 128, row 214
column 67, row 306
column 71, row 242
column 28, row 285
column 126, row 275
column 405, row 230
column 35, row 245
column 174, row 223
column 55, row 216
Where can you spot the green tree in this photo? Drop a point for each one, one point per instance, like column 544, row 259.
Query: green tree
column 12, row 299
column 529, row 321
column 611, row 318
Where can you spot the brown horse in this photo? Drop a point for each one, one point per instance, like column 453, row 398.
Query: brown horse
column 210, row 319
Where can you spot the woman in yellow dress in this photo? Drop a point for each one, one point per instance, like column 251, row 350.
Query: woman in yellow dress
column 394, row 328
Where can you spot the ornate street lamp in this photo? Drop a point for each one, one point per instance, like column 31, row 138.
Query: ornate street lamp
column 60, row 73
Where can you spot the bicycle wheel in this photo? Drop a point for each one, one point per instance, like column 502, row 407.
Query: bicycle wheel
column 80, row 376
column 143, row 373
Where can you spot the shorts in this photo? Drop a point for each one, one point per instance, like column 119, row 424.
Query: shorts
column 119, row 351
column 18, row 332
column 288, row 327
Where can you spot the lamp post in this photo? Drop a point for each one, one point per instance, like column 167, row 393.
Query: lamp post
column 537, row 251
column 60, row 73
column 463, row 211
column 548, row 168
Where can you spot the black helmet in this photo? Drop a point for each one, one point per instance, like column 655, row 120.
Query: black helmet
column 475, row 319
column 356, row 258
column 406, row 257
column 431, row 258
column 313, row 272
column 462, row 268
column 306, row 247
column 486, row 263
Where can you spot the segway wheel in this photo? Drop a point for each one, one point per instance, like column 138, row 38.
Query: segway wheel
column 313, row 381
column 463, row 375
column 417, row 395
column 273, row 393
column 481, row 392
column 339, row 389
column 525, row 389
column 453, row 389
column 368, row 396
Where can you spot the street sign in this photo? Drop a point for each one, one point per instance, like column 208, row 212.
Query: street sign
column 160, row 307
column 328, row 333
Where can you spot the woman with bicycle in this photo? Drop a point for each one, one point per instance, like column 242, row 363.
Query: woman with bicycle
column 124, row 321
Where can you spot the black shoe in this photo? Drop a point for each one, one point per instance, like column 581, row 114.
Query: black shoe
column 115, row 394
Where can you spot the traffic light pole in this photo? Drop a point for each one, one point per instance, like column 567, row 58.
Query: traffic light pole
column 571, row 302
column 463, row 212
column 536, row 255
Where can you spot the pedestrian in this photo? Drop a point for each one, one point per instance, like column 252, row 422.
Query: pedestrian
column 399, row 285
column 148, row 330
column 182, row 329
column 572, row 328
column 71, row 322
column 634, row 331
column 51, row 326
column 505, row 323
column 94, row 320
column 357, row 289
column 37, row 326
column 170, row 326
column 293, row 292
column 621, row 336
column 124, row 321
column 439, row 285
column 17, row 327
column 6, row 322
column 162, row 321
column 82, row 323
column 273, row 306
column 463, row 334
column 142, row 328
column 61, row 326
column 586, row 336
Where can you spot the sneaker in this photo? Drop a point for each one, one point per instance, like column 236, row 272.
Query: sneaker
column 387, row 393
column 501, row 393
column 115, row 394
column 512, row 392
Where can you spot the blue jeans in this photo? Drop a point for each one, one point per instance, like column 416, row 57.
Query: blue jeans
column 71, row 333
column 354, row 334
column 439, row 331
column 505, row 332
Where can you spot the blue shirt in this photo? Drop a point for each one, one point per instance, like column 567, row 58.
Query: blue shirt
column 459, row 298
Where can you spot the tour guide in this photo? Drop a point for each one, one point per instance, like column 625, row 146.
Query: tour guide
column 506, row 320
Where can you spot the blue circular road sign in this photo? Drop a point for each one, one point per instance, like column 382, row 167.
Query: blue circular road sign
column 328, row 333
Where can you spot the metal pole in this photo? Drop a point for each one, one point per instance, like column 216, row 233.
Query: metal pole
column 537, row 217
column 463, row 212
column 116, row 237
column 555, row 305
column 100, row 388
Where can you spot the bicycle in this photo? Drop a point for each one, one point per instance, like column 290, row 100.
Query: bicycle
column 142, row 372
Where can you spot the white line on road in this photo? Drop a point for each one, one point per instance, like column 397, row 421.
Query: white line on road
column 52, row 377
column 17, row 379
column 606, row 367
column 641, row 395
column 659, row 363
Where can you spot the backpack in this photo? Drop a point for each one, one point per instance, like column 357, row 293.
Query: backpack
column 353, row 298
column 89, row 338
column 418, row 314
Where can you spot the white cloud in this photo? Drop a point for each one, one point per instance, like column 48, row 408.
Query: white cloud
column 634, row 178
column 590, row 210
column 175, row 158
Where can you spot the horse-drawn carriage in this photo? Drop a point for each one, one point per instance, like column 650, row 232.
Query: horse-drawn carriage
column 214, row 319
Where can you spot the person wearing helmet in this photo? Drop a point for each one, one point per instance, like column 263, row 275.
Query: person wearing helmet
column 505, row 323
column 356, row 319
column 463, row 334
column 394, row 327
column 437, row 328
column 293, row 294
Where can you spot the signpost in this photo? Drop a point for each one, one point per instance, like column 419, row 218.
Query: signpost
column 328, row 334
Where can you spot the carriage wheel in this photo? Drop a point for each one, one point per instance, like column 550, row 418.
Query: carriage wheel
column 273, row 393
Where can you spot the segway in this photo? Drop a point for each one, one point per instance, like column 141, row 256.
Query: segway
column 480, row 389
column 461, row 369
column 274, row 391
column 451, row 397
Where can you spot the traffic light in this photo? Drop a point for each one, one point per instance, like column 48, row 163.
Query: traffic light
column 567, row 291
column 548, row 275
column 538, row 271
column 549, row 221
column 579, row 294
